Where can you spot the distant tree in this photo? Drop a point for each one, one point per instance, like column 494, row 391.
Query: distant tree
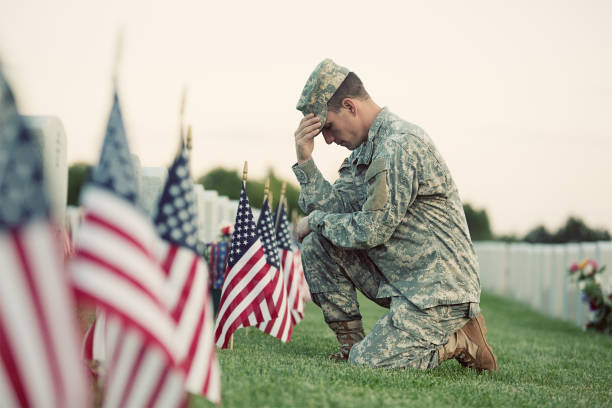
column 225, row 182
column 78, row 174
column 478, row 223
column 539, row 234
column 575, row 230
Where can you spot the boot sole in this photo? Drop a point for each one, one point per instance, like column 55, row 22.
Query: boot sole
column 476, row 330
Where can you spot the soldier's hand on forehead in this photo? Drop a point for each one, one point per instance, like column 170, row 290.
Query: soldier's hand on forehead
column 309, row 127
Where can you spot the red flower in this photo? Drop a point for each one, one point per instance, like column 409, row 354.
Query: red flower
column 574, row 267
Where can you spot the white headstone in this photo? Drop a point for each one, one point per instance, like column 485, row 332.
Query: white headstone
column 572, row 292
column 232, row 209
column 211, row 210
column 198, row 192
column 223, row 212
column 52, row 138
column 152, row 180
column 137, row 166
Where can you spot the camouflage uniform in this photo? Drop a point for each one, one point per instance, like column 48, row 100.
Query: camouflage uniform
column 393, row 226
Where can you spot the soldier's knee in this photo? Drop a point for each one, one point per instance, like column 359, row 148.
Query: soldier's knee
column 358, row 356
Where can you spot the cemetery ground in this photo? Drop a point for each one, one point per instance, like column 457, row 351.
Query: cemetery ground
column 542, row 362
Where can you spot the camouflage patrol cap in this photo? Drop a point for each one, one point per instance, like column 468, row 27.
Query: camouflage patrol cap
column 320, row 87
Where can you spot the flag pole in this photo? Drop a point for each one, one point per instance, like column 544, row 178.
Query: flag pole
column 281, row 201
column 182, row 113
column 245, row 171
column 189, row 139
column 266, row 189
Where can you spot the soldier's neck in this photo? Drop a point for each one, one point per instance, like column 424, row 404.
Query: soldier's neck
column 369, row 112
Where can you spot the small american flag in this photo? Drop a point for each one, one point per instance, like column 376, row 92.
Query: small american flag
column 115, row 268
column 39, row 359
column 281, row 327
column 246, row 297
column 188, row 285
column 291, row 273
column 299, row 268
column 218, row 262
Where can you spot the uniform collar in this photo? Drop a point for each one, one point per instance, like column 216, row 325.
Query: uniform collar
column 363, row 154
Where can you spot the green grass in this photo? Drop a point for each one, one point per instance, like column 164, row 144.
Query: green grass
column 542, row 362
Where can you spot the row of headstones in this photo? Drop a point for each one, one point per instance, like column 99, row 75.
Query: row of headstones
column 214, row 211
column 538, row 275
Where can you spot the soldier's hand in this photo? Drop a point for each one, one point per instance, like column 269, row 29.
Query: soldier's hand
column 302, row 229
column 304, row 136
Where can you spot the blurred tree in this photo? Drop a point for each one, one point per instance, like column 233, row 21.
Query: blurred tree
column 478, row 223
column 539, row 234
column 575, row 230
column 78, row 174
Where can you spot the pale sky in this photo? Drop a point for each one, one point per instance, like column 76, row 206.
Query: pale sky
column 517, row 95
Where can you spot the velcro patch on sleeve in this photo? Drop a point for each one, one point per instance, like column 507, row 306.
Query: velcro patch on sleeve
column 378, row 191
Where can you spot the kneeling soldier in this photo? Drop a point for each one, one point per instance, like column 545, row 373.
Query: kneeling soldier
column 392, row 226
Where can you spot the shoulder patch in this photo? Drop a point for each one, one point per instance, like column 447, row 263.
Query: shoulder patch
column 379, row 164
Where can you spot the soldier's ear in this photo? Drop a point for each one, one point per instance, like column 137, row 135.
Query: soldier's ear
column 349, row 104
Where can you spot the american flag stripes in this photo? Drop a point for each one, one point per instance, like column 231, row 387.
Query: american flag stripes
column 299, row 270
column 115, row 268
column 246, row 297
column 280, row 327
column 291, row 272
column 188, row 281
column 39, row 359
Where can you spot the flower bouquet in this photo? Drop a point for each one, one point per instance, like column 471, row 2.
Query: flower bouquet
column 589, row 277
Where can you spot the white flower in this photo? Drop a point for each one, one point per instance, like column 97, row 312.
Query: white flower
column 581, row 285
column 588, row 269
column 599, row 280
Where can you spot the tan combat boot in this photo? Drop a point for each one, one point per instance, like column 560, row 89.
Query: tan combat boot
column 469, row 346
column 348, row 333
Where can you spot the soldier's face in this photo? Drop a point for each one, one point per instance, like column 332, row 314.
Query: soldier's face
column 342, row 128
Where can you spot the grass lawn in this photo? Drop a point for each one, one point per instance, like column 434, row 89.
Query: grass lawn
column 542, row 362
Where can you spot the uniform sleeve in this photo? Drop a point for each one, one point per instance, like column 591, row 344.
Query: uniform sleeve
column 318, row 194
column 392, row 188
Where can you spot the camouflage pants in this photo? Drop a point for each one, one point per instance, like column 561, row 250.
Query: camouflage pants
column 405, row 337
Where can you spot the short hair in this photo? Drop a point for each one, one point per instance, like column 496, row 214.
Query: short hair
column 351, row 87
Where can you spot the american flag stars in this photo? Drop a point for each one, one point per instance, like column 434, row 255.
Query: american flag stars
column 244, row 231
column 176, row 222
column 265, row 229
column 282, row 233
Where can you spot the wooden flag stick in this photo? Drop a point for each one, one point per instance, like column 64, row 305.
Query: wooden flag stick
column 189, row 138
column 281, row 201
column 245, row 172
column 266, row 188
column 182, row 113
column 270, row 200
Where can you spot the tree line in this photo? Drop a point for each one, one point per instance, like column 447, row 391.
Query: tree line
column 226, row 182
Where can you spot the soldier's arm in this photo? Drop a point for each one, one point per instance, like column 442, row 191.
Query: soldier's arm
column 392, row 188
column 318, row 194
